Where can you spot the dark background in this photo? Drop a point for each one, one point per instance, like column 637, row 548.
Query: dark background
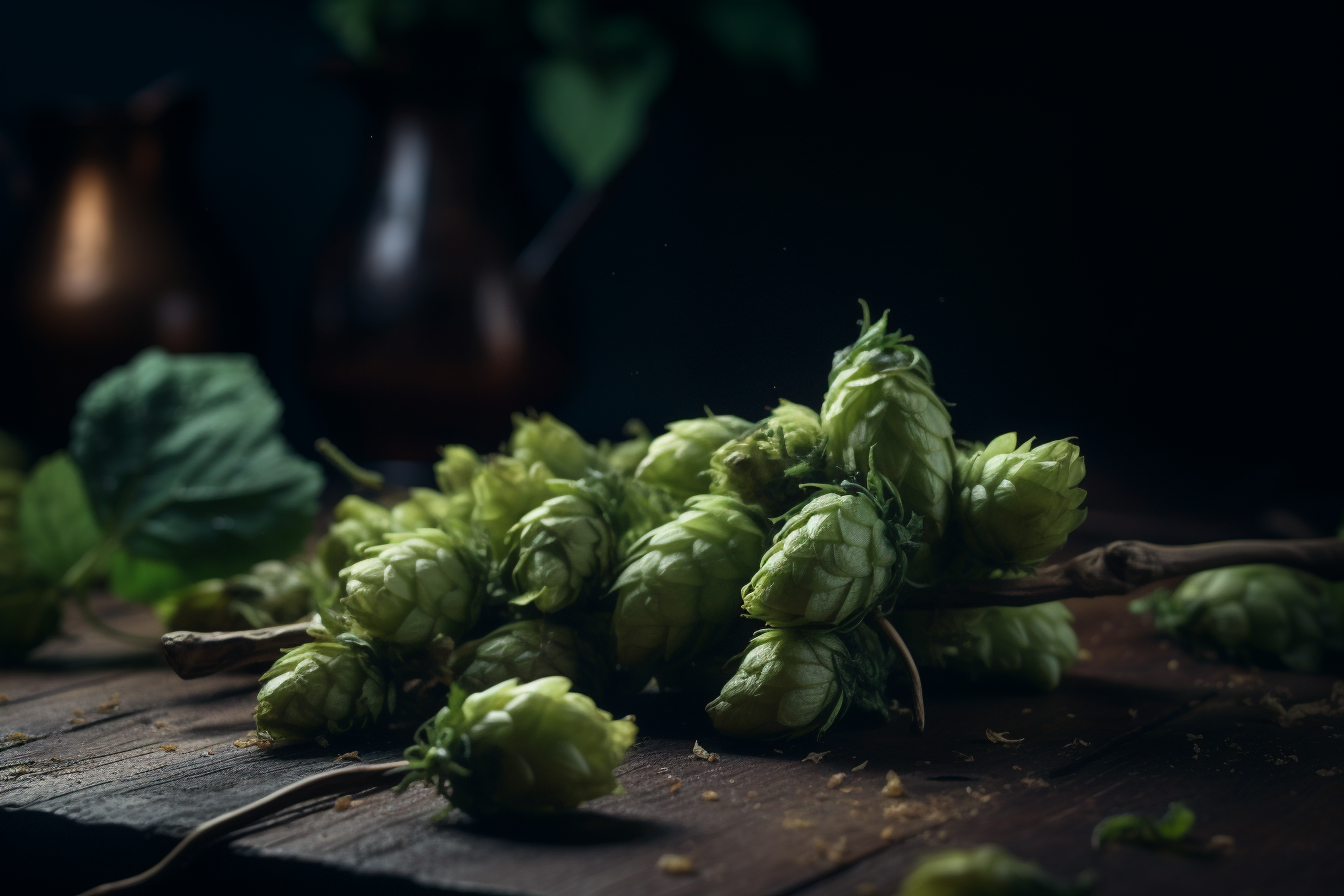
column 1117, row 227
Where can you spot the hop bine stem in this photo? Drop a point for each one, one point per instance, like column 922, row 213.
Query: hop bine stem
column 361, row 477
column 895, row 637
column 359, row 777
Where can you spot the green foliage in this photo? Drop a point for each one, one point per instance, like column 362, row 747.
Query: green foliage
column 1141, row 830
column 184, row 463
column 322, row 687
column 982, row 871
column 520, row 749
column 1255, row 613
column 55, row 519
column 761, row 32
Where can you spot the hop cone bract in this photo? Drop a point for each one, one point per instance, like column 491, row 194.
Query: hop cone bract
column 526, row 651
column 504, row 489
column 680, row 588
column 1030, row 645
column 546, row 440
column 454, row 473
column 357, row 523
column 520, row 749
column 1016, row 504
column 829, row 565
column 624, row 458
column 1255, row 613
column 420, row 585
column 987, row 870
column 881, row 401
column 768, row 465
column 561, row 550
column 789, row 683
column 322, row 687
column 428, row 508
column 678, row 460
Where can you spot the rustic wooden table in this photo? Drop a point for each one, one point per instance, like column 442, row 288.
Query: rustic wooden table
column 118, row 758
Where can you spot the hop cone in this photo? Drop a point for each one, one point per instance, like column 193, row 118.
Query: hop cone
column 323, row 687
column 1017, row 504
column 421, row 585
column 520, row 749
column 830, row 563
column 624, row 457
column 561, row 550
column 680, row 587
column 427, row 508
column 637, row 509
column 29, row 614
column 789, row 683
column 983, row 871
column 768, row 465
column 454, row 473
column 678, row 460
column 356, row 523
column 1030, row 645
column 504, row 489
column 1255, row 613
column 271, row 593
column 881, row 401
column 526, row 651
column 546, row 440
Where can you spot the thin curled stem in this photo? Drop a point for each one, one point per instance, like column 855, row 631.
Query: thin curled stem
column 894, row 636
column 358, row 777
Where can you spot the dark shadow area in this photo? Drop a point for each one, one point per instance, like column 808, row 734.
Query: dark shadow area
column 571, row 828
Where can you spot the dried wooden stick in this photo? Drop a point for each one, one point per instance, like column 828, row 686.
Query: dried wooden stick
column 198, row 654
column 358, row 777
column 1122, row 566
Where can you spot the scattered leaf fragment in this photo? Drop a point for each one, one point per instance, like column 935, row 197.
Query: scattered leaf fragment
column 1077, row 742
column 1000, row 737
column 1221, row 843
column 1327, row 772
column 4, row 698
column 1173, row 665
column 322, row 741
column 793, row 823
column 77, row 717
column 352, row 756
column 751, row 794
column 1194, row 737
column 1332, row 705
column 1035, row 782
column 699, row 752
column 835, row 780
column 674, row 786
column 670, row 863
column 893, row 787
column 965, row 757
column 832, row 851
column 18, row 735
column 168, row 748
column 250, row 739
column 1144, row 831
column 110, row 704
column 342, row 803
column 860, row 767
column 814, row 758
column 710, row 796
column 1084, row 654
column 207, row 752
column 160, row 724
column 888, row 833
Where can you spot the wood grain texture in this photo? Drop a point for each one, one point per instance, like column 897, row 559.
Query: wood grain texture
column 1115, row 737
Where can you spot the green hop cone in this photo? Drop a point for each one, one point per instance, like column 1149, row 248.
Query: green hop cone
column 30, row 613
column 1255, row 613
column 678, row 460
column 504, row 489
column 1016, row 504
column 769, row 465
column 454, row 473
column 983, row 871
column 356, row 523
column 833, row 560
column 562, row 550
column 526, row 651
column 1030, row 645
column 881, row 402
column 419, row 586
column 520, row 749
column 323, row 687
column 680, row 588
column 788, row 683
column 637, row 509
column 427, row 508
column 271, row 593
column 545, row 439
column 623, row 458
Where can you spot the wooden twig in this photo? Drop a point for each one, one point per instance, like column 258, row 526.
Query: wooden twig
column 198, row 654
column 1122, row 566
column 895, row 637
column 358, row 777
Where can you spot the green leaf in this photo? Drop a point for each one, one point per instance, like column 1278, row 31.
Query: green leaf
column 143, row 580
column 1144, row 831
column 184, row 462
column 761, row 32
column 589, row 105
column 56, row 522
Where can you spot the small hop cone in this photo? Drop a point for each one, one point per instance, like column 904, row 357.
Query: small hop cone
column 982, row 870
column 1030, row 645
column 526, row 651
column 881, row 402
column 623, row 458
column 271, row 593
column 427, row 508
column 768, row 465
column 504, row 489
column 561, row 550
column 421, row 585
column 323, row 687
column 1255, row 613
column 679, row 590
column 828, row 566
column 1016, row 504
column 534, row 748
column 454, row 473
column 789, row 683
column 678, row 460
column 356, row 524
column 546, row 440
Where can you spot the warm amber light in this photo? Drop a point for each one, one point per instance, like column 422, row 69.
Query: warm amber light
column 83, row 256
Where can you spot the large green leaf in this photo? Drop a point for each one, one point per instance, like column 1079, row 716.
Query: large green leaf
column 147, row 581
column 761, row 32
column 56, row 522
column 184, row 463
